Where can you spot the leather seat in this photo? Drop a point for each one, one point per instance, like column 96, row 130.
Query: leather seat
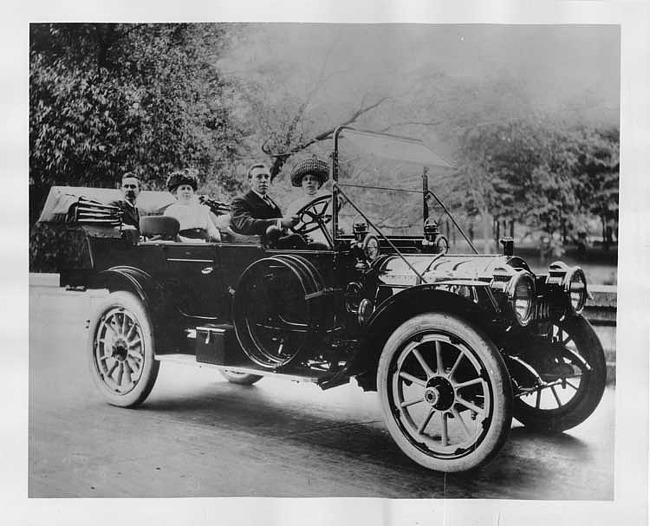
column 228, row 235
column 159, row 228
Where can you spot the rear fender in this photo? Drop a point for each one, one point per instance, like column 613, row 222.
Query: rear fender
column 156, row 302
column 395, row 311
column 126, row 278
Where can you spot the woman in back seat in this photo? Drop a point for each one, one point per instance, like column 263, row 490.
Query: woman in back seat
column 194, row 218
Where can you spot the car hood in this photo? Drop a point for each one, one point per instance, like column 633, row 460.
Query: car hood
column 398, row 271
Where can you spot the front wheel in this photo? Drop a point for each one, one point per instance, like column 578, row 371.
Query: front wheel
column 445, row 393
column 572, row 373
column 121, row 350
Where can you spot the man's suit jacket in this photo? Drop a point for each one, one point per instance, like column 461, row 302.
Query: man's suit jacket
column 130, row 214
column 251, row 215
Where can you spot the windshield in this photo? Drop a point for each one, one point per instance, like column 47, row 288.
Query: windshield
column 383, row 176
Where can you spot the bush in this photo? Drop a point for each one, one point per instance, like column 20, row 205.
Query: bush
column 53, row 248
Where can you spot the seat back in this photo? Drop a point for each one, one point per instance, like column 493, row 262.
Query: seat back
column 159, row 227
column 228, row 235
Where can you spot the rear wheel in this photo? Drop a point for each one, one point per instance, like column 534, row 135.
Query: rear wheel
column 445, row 393
column 121, row 350
column 235, row 377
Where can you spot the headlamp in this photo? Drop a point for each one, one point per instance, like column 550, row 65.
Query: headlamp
column 572, row 281
column 521, row 291
column 575, row 285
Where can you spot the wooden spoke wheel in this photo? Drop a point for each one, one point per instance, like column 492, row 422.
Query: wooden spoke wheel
column 445, row 393
column 121, row 350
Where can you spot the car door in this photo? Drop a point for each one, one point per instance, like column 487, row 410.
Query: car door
column 193, row 270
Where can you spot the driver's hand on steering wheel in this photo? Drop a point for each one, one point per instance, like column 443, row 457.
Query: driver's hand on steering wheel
column 288, row 222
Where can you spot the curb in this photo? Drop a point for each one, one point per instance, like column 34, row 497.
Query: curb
column 43, row 280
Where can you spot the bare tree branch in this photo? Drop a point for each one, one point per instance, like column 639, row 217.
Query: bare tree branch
column 414, row 123
column 281, row 158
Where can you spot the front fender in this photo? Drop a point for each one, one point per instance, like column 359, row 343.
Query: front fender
column 395, row 311
column 421, row 298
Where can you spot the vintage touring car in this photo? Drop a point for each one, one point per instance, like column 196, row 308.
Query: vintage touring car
column 455, row 344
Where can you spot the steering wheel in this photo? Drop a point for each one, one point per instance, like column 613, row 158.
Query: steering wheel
column 312, row 216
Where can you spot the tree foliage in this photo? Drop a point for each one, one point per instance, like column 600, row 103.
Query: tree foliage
column 540, row 174
column 597, row 172
column 110, row 98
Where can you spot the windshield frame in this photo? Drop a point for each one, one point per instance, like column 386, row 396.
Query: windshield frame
column 432, row 158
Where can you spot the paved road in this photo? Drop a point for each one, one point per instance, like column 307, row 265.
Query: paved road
column 198, row 435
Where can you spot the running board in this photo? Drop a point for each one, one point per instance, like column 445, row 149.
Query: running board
column 190, row 359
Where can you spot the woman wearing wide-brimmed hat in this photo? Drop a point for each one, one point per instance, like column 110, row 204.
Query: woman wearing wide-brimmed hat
column 310, row 174
column 195, row 222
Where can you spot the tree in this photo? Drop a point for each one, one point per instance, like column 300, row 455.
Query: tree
column 107, row 98
column 295, row 87
column 540, row 173
column 597, row 172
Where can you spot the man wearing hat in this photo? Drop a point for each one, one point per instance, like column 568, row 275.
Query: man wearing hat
column 254, row 212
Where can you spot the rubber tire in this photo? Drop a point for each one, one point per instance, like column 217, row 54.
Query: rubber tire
column 150, row 367
column 561, row 419
column 486, row 352
column 239, row 378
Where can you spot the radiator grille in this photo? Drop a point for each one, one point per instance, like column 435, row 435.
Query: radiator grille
column 542, row 310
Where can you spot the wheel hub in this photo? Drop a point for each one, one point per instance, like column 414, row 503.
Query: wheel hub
column 432, row 395
column 439, row 393
column 120, row 350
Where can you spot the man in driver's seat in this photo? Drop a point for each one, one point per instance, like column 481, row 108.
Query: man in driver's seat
column 254, row 212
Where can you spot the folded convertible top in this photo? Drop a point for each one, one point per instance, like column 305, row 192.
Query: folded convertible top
column 69, row 204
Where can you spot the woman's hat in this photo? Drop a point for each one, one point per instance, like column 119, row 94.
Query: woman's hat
column 313, row 166
column 183, row 177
